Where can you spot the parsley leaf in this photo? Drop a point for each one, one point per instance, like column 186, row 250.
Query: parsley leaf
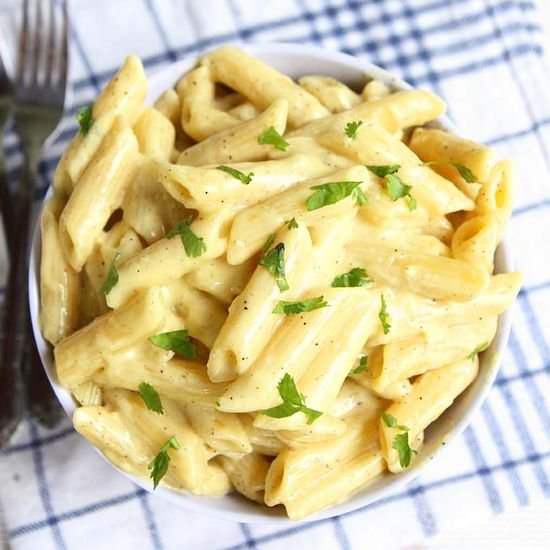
column 293, row 402
column 479, row 349
column 112, row 277
column 395, row 186
column 384, row 316
column 150, row 397
column 177, row 341
column 465, row 172
column 401, row 445
column 363, row 364
column 268, row 243
column 85, row 119
column 292, row 223
column 159, row 465
column 355, row 277
column 400, row 441
column 237, row 174
column 351, row 128
column 270, row 136
column 383, row 170
column 294, row 308
column 329, row 193
column 194, row 246
column 274, row 262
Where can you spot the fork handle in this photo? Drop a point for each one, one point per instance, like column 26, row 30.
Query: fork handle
column 12, row 398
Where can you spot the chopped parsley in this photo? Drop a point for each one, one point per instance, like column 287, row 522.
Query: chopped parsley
column 363, row 364
column 292, row 223
column 270, row 136
column 274, row 262
column 351, row 128
column 85, row 119
column 194, row 246
column 294, row 308
column 400, row 441
column 237, row 174
column 112, row 276
column 159, row 465
column 293, row 402
column 150, row 397
column 384, row 316
column 465, row 172
column 329, row 193
column 177, row 341
column 395, row 187
column 355, row 277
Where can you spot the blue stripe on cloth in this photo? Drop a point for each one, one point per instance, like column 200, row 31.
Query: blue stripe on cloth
column 115, row 501
column 247, row 534
column 493, row 495
column 521, row 428
column 92, row 79
column 161, row 31
column 422, row 509
column 520, row 133
column 150, row 521
column 518, row 80
column 73, row 514
column 340, row 533
column 535, row 330
column 37, row 442
column 504, row 453
column 43, row 490
column 255, row 29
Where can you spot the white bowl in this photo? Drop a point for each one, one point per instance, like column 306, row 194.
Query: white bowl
column 296, row 60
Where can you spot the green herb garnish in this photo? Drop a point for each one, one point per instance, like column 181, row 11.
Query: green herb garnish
column 329, row 193
column 363, row 363
column 270, row 136
column 150, row 397
column 274, row 262
column 112, row 276
column 384, row 316
column 400, row 441
column 292, row 223
column 159, row 465
column 85, row 119
column 294, row 308
column 293, row 402
column 237, row 174
column 355, row 277
column 351, row 128
column 194, row 246
column 177, row 341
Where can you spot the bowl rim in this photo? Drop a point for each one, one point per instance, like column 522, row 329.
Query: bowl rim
column 490, row 361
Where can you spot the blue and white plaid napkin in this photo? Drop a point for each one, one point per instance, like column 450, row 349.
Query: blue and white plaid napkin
column 485, row 57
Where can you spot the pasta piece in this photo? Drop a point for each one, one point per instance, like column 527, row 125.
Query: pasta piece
column 102, row 185
column 438, row 345
column 247, row 474
column 409, row 313
column 326, row 428
column 245, row 111
column 446, row 150
column 220, row 279
column 148, row 208
column 131, row 436
column 375, row 146
column 166, row 260
column 297, row 342
column 375, row 89
column 251, row 322
column 202, row 315
column 199, row 116
column 331, row 93
column 475, row 241
column 262, row 84
column 88, row 394
column 240, row 142
column 432, row 393
column 181, row 380
column 59, row 283
column 81, row 354
column 168, row 104
column 264, row 442
column 155, row 134
column 209, row 189
column 252, row 226
column 495, row 196
column 222, row 432
column 392, row 112
column 308, row 479
column 436, row 277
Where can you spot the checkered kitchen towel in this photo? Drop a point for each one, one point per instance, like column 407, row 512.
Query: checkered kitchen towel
column 486, row 59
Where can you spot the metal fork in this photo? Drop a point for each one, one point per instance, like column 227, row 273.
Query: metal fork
column 39, row 94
